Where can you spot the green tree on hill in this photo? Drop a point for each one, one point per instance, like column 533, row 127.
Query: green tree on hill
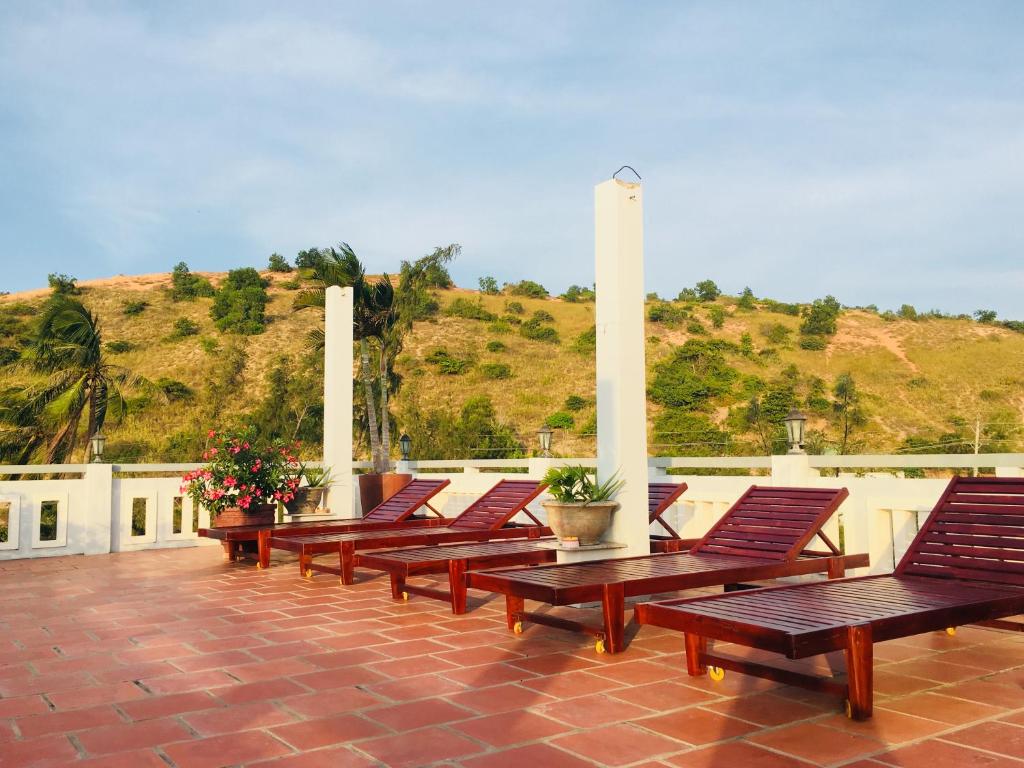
column 239, row 305
column 820, row 319
column 186, row 286
column 847, row 409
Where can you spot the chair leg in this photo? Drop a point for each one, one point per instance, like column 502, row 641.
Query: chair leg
column 457, row 585
column 263, row 544
column 397, row 585
column 513, row 608
column 696, row 647
column 613, row 601
column 859, row 670
column 836, row 567
column 347, row 556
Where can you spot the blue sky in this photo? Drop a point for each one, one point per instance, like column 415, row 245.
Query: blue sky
column 870, row 150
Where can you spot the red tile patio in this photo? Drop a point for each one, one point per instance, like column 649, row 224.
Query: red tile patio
column 176, row 658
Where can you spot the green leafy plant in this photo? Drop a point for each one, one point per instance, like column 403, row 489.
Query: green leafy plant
column 184, row 327
column 278, row 263
column 471, row 310
column 496, row 346
column 496, row 370
column 560, row 420
column 573, row 485
column 132, row 308
column 575, row 403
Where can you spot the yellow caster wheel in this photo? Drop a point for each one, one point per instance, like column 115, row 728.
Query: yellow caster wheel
column 716, row 673
column 405, row 596
column 951, row 631
column 849, row 709
column 599, row 645
column 518, row 627
column 309, row 573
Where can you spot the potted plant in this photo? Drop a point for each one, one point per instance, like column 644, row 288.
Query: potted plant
column 309, row 497
column 243, row 480
column 582, row 508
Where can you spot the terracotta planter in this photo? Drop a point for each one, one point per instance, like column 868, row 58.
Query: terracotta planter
column 306, row 502
column 375, row 488
column 258, row 514
column 585, row 522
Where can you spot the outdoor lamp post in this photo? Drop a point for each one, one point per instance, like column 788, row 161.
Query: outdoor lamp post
column 795, row 422
column 544, row 434
column 96, row 443
column 405, row 443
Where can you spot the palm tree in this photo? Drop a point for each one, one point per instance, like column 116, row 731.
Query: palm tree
column 373, row 308
column 79, row 385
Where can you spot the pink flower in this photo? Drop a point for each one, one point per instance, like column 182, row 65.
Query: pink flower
column 213, row 451
column 230, row 481
column 235, row 450
column 211, row 433
column 206, row 455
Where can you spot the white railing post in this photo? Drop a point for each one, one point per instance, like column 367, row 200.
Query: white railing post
column 96, row 529
column 1009, row 471
column 538, row 467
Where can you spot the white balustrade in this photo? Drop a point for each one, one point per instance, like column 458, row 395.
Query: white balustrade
column 96, row 508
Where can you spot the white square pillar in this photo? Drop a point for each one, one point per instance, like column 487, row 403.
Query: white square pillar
column 338, row 362
column 621, row 364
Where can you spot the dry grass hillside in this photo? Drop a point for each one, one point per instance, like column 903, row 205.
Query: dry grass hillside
column 916, row 378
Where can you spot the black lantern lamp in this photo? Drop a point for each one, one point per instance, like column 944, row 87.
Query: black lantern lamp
column 405, row 443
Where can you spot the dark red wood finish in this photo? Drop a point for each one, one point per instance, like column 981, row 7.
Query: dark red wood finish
column 395, row 511
column 742, row 546
column 966, row 565
column 402, row 564
column 486, row 518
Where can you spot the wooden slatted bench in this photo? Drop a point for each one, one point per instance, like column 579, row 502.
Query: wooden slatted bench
column 764, row 535
column 966, row 565
column 457, row 560
column 489, row 517
column 394, row 511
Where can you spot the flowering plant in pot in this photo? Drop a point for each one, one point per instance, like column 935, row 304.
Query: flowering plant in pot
column 582, row 508
column 243, row 479
column 309, row 497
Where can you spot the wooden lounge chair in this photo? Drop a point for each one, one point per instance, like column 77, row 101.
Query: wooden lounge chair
column 391, row 513
column 486, row 518
column 457, row 559
column 764, row 535
column 966, row 565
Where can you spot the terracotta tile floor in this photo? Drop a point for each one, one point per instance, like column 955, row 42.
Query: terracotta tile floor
column 176, row 658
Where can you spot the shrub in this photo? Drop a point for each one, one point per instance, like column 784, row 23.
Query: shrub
column 173, row 389
column 821, row 317
column 589, row 427
column 453, row 366
column 586, row 342
column 560, row 420
column 471, row 310
column 776, row 333
column 746, row 345
column 707, row 290
column 717, row 315
column 239, row 306
column 526, row 288
column 500, row 327
column 496, row 371
column 678, row 432
column 183, row 327
column 577, row 293
column 532, row 329
column 63, row 285
column 780, row 308
column 185, row 286
column 665, row 313
column 9, row 355
column 278, row 263
column 575, row 403
column 291, row 285
column 907, row 312
column 132, row 308
column 515, row 308
column 696, row 327
column 814, row 343
column 541, row 316
column 436, row 355
column 687, row 294
column 489, row 286
column 511, row 319
column 209, row 345
column 118, row 347
column 496, row 346
column 696, row 372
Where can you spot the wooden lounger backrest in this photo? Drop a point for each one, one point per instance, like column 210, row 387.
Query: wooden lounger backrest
column 661, row 496
column 975, row 533
column 499, row 505
column 773, row 523
column 400, row 506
